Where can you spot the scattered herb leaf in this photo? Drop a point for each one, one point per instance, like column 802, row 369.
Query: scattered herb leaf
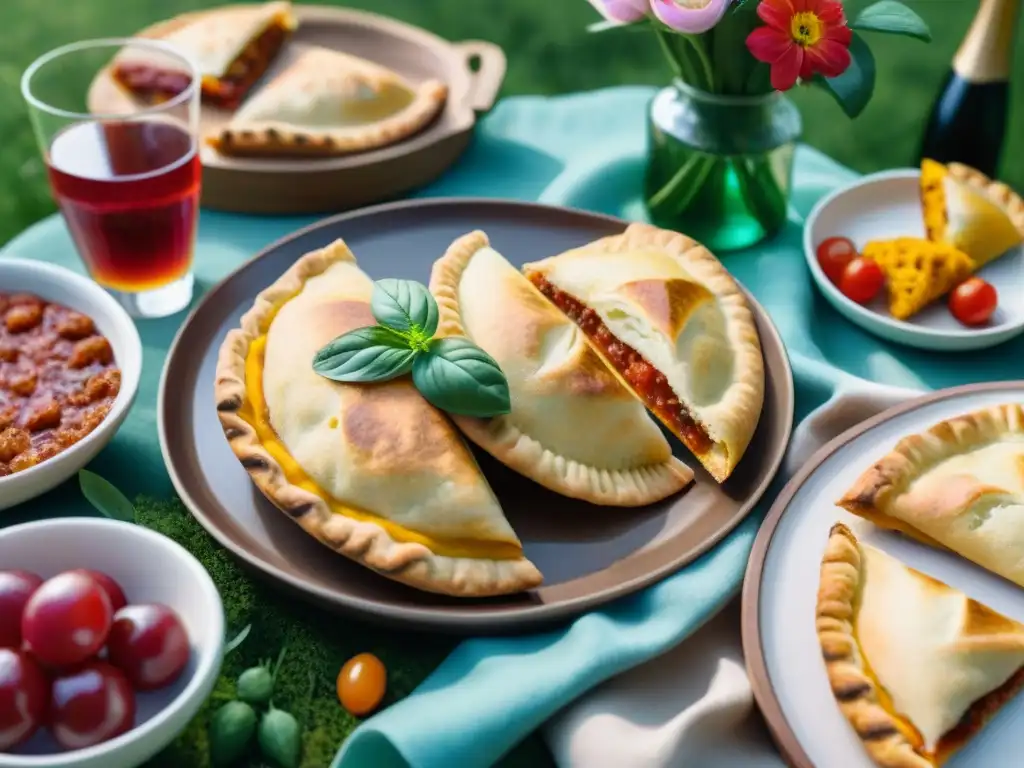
column 406, row 306
column 457, row 376
column 238, row 639
column 373, row 353
column 105, row 497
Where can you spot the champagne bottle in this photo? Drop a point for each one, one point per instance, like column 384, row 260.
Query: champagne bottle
column 968, row 120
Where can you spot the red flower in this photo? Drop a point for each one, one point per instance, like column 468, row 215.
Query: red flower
column 802, row 38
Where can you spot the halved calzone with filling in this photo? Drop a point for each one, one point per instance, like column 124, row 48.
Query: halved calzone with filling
column 959, row 485
column 916, row 666
column 324, row 102
column 371, row 470
column 231, row 47
column 676, row 328
column 573, row 427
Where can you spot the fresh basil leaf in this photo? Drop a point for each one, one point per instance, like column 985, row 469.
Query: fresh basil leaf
column 406, row 306
column 894, row 18
column 373, row 353
column 457, row 376
column 853, row 89
column 105, row 497
column 238, row 639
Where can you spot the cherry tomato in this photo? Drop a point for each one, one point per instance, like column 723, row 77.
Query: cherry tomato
column 361, row 684
column 149, row 644
column 24, row 695
column 91, row 704
column 66, row 620
column 973, row 301
column 16, row 587
column 862, row 280
column 834, row 254
column 111, row 587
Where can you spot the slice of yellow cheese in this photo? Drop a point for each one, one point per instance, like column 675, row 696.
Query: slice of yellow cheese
column 962, row 215
column 918, row 271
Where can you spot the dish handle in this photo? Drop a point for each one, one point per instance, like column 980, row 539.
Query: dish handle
column 486, row 64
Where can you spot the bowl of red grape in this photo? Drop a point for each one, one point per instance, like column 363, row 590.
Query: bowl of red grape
column 111, row 639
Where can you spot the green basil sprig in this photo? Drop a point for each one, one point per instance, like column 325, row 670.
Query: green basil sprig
column 453, row 374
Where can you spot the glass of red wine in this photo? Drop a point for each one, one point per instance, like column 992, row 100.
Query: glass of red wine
column 126, row 179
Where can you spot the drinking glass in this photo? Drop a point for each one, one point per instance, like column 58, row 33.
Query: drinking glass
column 126, row 179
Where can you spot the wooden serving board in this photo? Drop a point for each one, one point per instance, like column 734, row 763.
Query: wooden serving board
column 271, row 186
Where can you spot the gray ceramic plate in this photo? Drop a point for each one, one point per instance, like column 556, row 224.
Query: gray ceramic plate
column 589, row 555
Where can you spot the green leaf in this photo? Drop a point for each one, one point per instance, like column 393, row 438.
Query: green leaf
column 457, row 376
column 238, row 639
column 107, row 499
column 404, row 305
column 373, row 353
column 894, row 18
column 853, row 89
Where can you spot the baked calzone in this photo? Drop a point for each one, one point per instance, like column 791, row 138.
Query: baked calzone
column 325, row 102
column 959, row 485
column 916, row 666
column 371, row 470
column 965, row 208
column 674, row 325
column 573, row 427
column 231, row 47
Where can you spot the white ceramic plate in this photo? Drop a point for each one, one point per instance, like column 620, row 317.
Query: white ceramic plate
column 887, row 205
column 779, row 637
column 63, row 286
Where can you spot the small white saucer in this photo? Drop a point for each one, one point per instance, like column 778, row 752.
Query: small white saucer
column 887, row 205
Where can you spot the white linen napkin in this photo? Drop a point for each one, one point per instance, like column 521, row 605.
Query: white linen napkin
column 693, row 706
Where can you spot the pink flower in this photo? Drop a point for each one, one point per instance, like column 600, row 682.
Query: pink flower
column 621, row 11
column 801, row 38
column 690, row 16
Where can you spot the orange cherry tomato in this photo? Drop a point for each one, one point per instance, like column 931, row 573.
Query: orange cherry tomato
column 862, row 280
column 834, row 254
column 973, row 301
column 361, row 684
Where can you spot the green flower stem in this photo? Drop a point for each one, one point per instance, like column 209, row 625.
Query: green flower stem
column 766, row 201
column 689, row 180
column 697, row 44
column 681, row 66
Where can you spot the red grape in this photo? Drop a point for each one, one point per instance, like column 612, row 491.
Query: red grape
column 24, row 693
column 111, row 587
column 149, row 644
column 91, row 704
column 67, row 620
column 16, row 587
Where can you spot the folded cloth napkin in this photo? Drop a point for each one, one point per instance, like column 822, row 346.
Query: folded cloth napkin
column 693, row 706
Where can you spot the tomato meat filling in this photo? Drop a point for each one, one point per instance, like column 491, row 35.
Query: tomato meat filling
column 644, row 378
column 157, row 85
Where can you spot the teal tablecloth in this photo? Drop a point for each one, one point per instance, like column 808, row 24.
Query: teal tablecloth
column 584, row 151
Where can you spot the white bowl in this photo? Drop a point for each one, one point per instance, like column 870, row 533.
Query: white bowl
column 151, row 569
column 63, row 286
column 887, row 205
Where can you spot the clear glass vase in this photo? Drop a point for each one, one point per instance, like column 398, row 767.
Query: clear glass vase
column 719, row 168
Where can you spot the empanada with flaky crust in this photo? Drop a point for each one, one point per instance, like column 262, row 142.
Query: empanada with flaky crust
column 371, row 470
column 916, row 666
column 325, row 102
column 673, row 324
column 959, row 485
column 573, row 427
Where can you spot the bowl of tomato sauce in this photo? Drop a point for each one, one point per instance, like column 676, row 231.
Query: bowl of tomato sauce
column 70, row 364
column 111, row 640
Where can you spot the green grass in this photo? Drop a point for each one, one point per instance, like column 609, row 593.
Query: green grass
column 549, row 52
